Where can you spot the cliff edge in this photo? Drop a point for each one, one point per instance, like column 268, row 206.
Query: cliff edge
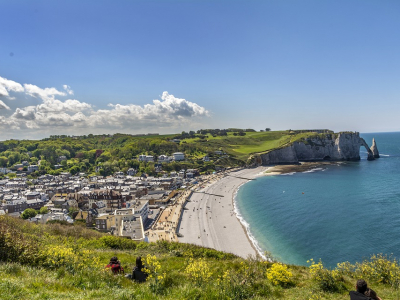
column 344, row 146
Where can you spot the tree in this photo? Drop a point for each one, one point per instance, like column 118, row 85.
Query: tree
column 267, row 129
column 3, row 161
column 43, row 210
column 71, row 211
column 28, row 213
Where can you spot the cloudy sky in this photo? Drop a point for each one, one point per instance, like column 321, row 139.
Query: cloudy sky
column 79, row 67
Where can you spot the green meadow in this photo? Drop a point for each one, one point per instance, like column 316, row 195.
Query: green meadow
column 58, row 261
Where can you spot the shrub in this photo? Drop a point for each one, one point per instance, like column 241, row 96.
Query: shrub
column 153, row 269
column 14, row 246
column 115, row 242
column 43, row 210
column 327, row 280
column 28, row 213
column 198, row 270
column 380, row 268
column 279, row 274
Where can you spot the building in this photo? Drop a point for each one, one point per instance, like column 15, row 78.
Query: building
column 111, row 198
column 123, row 223
column 179, row 156
column 140, row 207
column 131, row 172
column 146, row 158
column 164, row 159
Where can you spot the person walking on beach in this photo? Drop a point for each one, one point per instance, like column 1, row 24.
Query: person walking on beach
column 363, row 292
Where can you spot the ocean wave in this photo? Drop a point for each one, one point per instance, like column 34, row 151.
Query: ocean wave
column 247, row 226
column 313, row 170
column 384, row 154
column 287, row 174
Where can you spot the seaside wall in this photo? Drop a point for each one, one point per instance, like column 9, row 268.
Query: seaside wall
column 335, row 147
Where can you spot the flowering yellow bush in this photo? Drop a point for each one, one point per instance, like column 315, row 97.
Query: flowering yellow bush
column 198, row 270
column 279, row 274
column 74, row 259
column 327, row 280
column 345, row 268
column 153, row 267
column 380, row 268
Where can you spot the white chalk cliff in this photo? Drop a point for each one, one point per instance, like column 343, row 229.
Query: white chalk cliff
column 343, row 146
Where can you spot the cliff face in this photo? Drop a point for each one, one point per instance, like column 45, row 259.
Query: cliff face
column 344, row 146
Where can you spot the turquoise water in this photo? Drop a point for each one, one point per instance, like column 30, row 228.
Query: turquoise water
column 342, row 212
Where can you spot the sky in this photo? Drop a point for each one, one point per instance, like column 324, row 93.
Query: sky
column 79, row 67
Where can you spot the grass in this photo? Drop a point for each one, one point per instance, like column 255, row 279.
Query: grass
column 186, row 271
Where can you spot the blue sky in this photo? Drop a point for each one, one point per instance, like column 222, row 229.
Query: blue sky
column 249, row 64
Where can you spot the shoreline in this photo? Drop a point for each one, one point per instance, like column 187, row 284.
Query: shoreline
column 246, row 228
column 199, row 222
column 213, row 221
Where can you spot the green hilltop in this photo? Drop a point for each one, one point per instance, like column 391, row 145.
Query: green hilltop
column 56, row 261
column 106, row 154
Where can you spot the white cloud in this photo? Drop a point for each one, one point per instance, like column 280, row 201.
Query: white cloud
column 67, row 88
column 9, row 86
column 44, row 94
column 3, row 105
column 74, row 115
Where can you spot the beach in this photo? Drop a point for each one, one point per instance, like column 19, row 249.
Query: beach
column 209, row 218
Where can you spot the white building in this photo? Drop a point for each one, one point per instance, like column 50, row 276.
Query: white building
column 33, row 168
column 179, row 156
column 140, row 207
column 146, row 158
column 164, row 159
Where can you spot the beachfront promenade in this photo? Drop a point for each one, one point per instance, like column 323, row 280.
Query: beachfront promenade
column 165, row 227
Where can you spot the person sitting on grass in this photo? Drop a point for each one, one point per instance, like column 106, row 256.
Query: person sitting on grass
column 115, row 266
column 363, row 292
column 138, row 273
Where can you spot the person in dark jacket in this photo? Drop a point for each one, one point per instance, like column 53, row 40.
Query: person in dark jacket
column 363, row 292
column 115, row 266
column 138, row 272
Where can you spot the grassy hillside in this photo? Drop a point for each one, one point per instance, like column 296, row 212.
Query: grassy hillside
column 109, row 154
column 67, row 262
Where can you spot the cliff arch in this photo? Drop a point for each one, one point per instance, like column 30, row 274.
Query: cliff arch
column 370, row 154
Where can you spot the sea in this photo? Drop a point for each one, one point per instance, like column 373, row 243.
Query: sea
column 346, row 211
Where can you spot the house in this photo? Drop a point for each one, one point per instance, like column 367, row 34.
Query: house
column 17, row 166
column 32, row 195
column 33, row 168
column 112, row 198
column 206, row 158
column 140, row 207
column 69, row 203
column 178, row 156
column 131, row 172
column 124, row 223
column 100, row 206
column 5, row 170
column 16, row 205
column 164, row 159
column 34, row 203
column 146, row 158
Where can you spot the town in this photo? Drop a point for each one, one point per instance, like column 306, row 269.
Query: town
column 141, row 208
